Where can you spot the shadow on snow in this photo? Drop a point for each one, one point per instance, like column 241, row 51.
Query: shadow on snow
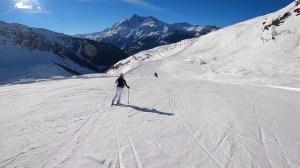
column 146, row 110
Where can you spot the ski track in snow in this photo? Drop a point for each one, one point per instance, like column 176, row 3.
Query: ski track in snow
column 136, row 156
column 190, row 132
column 263, row 143
column 120, row 161
column 90, row 132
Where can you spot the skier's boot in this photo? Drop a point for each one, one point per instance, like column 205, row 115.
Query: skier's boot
column 112, row 103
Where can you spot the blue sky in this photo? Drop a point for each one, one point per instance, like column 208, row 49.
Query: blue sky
column 86, row 16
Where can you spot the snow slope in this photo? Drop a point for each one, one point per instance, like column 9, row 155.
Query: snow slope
column 264, row 50
column 21, row 65
column 170, row 122
column 30, row 53
column 177, row 120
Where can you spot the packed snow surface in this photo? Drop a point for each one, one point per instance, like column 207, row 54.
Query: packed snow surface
column 169, row 122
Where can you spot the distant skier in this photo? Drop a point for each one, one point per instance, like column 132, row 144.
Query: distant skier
column 121, row 83
column 156, row 75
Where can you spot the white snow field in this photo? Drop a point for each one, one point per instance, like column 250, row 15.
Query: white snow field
column 202, row 111
column 170, row 122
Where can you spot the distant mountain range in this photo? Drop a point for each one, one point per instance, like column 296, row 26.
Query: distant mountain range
column 141, row 33
column 32, row 53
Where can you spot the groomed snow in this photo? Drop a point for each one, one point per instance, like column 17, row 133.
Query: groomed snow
column 170, row 122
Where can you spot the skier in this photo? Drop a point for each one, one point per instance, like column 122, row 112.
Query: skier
column 156, row 75
column 121, row 82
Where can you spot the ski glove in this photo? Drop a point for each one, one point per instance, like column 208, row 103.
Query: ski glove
column 128, row 87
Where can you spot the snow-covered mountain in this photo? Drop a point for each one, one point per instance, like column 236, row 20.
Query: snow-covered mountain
column 38, row 53
column 264, row 50
column 141, row 33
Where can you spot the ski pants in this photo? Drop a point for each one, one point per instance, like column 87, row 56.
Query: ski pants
column 118, row 95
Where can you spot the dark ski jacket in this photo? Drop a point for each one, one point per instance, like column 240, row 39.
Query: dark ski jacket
column 121, row 82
